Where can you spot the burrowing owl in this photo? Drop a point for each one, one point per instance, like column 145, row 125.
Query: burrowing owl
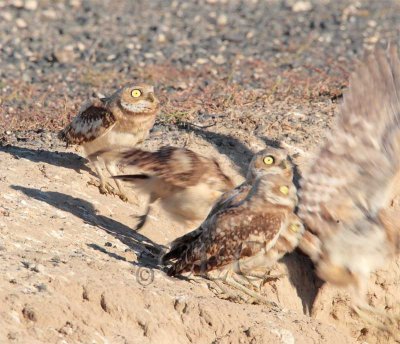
column 248, row 229
column 347, row 189
column 186, row 183
column 119, row 121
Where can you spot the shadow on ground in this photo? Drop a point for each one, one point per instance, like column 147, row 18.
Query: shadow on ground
column 303, row 278
column 235, row 150
column 62, row 159
column 146, row 250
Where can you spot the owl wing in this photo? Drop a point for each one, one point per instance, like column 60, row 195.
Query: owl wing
column 227, row 200
column 231, row 198
column 177, row 166
column 349, row 180
column 225, row 237
column 94, row 120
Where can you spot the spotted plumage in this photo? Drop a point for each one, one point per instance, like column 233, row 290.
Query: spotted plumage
column 245, row 227
column 120, row 121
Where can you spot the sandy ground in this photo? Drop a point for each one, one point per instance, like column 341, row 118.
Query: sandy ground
column 242, row 74
column 73, row 270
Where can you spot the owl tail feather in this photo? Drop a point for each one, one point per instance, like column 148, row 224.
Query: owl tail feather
column 131, row 177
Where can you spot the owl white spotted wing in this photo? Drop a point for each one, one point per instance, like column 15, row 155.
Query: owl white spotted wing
column 225, row 237
column 93, row 120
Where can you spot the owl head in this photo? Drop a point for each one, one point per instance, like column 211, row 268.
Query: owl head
column 277, row 189
column 138, row 98
column 270, row 161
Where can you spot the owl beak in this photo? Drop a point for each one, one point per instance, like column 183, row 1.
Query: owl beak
column 283, row 165
column 151, row 97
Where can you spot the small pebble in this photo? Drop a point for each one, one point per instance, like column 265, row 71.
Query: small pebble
column 21, row 23
column 301, row 6
column 31, row 5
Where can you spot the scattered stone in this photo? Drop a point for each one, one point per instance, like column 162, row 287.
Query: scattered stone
column 222, row 19
column 21, row 23
column 31, row 5
column 301, row 6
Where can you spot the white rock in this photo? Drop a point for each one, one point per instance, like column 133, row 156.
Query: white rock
column 31, row 5
column 7, row 16
column 21, row 23
column 301, row 6
column 222, row 19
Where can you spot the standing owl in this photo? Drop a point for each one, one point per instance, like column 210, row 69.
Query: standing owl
column 248, row 229
column 346, row 190
column 120, row 121
column 186, row 183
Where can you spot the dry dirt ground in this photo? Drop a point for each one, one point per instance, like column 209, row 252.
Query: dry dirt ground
column 232, row 76
column 73, row 270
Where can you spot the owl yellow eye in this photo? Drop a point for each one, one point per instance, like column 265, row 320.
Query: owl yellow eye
column 284, row 189
column 294, row 227
column 136, row 93
column 268, row 160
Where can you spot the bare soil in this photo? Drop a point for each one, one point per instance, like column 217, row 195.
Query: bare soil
column 232, row 76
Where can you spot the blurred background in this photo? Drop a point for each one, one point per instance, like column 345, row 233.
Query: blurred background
column 206, row 58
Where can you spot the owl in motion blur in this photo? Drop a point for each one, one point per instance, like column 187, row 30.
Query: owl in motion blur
column 346, row 192
column 120, row 121
column 186, row 184
column 248, row 229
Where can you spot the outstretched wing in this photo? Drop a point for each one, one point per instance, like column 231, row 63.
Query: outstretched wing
column 177, row 166
column 93, row 120
column 350, row 179
column 223, row 238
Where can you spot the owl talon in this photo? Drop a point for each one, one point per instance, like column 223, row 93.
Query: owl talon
column 123, row 197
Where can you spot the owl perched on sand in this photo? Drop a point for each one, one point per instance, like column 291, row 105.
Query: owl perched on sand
column 248, row 229
column 186, row 183
column 119, row 121
column 346, row 191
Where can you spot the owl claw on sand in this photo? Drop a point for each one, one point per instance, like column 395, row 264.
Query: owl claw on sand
column 232, row 280
column 105, row 188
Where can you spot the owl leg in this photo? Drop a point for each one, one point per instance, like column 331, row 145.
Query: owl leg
column 112, row 169
column 142, row 219
column 263, row 277
column 104, row 186
column 242, row 286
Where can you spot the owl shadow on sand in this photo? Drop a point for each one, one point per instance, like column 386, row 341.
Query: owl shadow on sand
column 147, row 251
column 62, row 159
column 227, row 145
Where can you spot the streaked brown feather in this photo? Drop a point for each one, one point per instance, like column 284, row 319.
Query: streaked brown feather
column 177, row 166
column 95, row 120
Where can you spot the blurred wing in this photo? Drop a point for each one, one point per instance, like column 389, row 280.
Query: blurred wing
column 177, row 166
column 350, row 177
column 225, row 237
column 93, row 120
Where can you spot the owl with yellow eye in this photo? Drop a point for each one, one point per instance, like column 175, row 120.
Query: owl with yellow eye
column 247, row 230
column 117, row 122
